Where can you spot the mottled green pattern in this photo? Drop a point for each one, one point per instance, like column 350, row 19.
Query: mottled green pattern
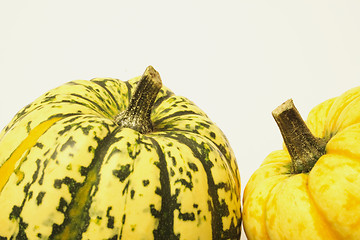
column 86, row 178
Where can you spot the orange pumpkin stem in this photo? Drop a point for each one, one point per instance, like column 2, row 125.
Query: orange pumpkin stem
column 137, row 114
column 304, row 148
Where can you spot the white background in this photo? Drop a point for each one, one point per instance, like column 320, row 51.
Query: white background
column 237, row 60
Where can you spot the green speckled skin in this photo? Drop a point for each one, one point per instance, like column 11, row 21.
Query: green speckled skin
column 68, row 171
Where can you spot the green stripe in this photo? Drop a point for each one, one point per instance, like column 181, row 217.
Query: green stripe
column 176, row 114
column 164, row 95
column 103, row 85
column 217, row 209
column 16, row 210
column 129, row 87
column 99, row 108
column 165, row 230
column 77, row 213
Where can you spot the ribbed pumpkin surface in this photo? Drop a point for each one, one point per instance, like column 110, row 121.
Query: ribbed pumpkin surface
column 68, row 171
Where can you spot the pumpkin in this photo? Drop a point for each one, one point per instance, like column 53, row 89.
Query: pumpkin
column 311, row 188
column 107, row 159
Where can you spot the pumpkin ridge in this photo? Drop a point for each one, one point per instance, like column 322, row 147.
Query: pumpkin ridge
column 215, row 207
column 125, row 192
column 103, row 86
column 78, row 208
column 218, row 147
column 176, row 114
column 19, row 116
column 320, row 213
column 345, row 153
column 89, row 88
column 340, row 104
column 99, row 108
column 269, row 195
column 20, row 152
column 166, row 94
column 16, row 210
column 165, row 228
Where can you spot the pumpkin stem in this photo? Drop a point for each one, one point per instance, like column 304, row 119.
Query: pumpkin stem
column 304, row 148
column 137, row 114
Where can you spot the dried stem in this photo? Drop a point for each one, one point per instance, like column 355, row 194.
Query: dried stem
column 137, row 115
column 304, row 148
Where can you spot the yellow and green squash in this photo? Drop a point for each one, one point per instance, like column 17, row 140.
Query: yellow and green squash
column 107, row 159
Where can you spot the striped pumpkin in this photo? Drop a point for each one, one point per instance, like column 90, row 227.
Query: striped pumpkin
column 107, row 159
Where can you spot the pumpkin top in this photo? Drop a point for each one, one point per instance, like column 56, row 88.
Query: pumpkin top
column 304, row 148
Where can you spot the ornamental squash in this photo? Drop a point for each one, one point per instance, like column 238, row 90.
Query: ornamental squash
column 106, row 159
column 311, row 189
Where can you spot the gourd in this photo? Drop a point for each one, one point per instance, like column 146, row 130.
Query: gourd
column 311, row 188
column 107, row 159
